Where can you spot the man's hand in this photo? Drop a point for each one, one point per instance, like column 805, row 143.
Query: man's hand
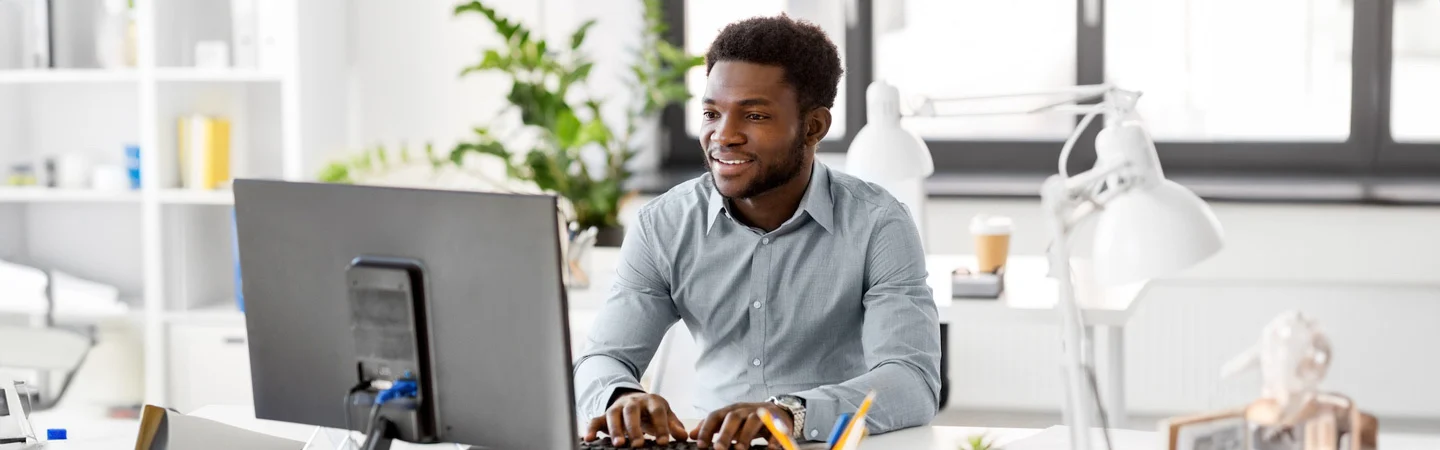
column 740, row 423
column 634, row 415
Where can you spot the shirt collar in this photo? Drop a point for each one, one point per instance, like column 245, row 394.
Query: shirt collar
column 817, row 201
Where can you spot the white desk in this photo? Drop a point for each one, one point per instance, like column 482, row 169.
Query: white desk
column 1030, row 297
column 102, row 434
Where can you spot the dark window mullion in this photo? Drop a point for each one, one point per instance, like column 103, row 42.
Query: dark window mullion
column 859, row 72
column 1089, row 69
column 682, row 151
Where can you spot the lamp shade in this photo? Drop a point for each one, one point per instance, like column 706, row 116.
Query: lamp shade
column 1151, row 231
column 882, row 151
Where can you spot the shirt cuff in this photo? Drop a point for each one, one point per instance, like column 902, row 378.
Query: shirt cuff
column 601, row 377
column 821, row 412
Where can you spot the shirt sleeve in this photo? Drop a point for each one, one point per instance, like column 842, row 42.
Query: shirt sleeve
column 628, row 330
column 901, row 338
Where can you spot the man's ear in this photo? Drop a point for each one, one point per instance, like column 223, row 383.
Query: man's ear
column 817, row 125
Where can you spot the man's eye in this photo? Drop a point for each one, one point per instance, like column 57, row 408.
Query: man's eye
column 711, row 115
column 755, row 117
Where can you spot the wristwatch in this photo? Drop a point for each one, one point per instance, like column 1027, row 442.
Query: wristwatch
column 796, row 407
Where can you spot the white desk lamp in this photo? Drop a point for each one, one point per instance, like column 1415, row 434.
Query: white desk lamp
column 1148, row 226
column 886, row 154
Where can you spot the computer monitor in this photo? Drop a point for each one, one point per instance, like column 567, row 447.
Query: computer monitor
column 484, row 270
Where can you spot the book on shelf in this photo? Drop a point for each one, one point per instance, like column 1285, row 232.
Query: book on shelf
column 203, row 152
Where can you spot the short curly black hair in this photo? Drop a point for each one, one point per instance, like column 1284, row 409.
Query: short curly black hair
column 811, row 61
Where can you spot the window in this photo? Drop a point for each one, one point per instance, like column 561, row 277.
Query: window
column 1232, row 89
column 1416, row 72
column 953, row 48
column 1234, row 70
column 705, row 18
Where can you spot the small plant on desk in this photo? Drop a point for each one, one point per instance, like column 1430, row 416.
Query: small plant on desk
column 979, row 442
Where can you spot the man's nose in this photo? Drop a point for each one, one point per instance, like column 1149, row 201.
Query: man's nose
column 727, row 133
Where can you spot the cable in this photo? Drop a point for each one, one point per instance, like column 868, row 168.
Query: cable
column 1104, row 420
column 1074, row 136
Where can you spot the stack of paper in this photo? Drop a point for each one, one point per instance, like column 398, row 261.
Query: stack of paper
column 23, row 291
column 162, row 429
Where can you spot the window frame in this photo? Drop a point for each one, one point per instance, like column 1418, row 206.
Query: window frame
column 1368, row 156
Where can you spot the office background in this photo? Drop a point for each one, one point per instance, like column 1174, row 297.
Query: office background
column 1307, row 123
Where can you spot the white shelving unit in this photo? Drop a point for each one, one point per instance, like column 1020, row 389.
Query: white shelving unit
column 39, row 195
column 62, row 76
column 168, row 249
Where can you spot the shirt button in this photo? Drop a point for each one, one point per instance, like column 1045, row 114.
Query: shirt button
column 756, row 305
column 814, row 433
column 765, row 241
column 756, row 362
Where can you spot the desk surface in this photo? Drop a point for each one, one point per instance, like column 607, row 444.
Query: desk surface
column 109, row 434
column 89, row 433
column 1030, row 294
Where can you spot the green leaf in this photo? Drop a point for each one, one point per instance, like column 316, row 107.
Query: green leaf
column 473, row 6
column 603, row 198
column 502, row 25
column 669, row 52
column 578, row 37
column 538, row 106
column 641, row 77
column 492, row 60
column 494, row 148
column 579, row 74
column 335, row 173
column 567, row 128
column 544, row 170
column 531, row 56
column 595, row 131
column 675, row 93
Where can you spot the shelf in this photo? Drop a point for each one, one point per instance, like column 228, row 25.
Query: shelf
column 226, row 314
column 194, row 197
column 215, row 75
column 49, row 195
column 44, row 76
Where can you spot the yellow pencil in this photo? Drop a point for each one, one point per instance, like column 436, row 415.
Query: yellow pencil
column 784, row 438
column 856, row 423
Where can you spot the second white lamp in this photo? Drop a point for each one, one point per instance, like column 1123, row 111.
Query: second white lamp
column 890, row 156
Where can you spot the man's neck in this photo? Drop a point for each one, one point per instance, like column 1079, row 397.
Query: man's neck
column 770, row 210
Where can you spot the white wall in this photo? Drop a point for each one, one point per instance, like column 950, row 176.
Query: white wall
column 405, row 84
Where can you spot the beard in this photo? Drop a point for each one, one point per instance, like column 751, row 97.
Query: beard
column 772, row 176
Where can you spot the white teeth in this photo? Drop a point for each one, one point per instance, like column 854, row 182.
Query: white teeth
column 733, row 162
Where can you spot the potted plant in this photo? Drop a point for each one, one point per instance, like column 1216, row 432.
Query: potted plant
column 575, row 154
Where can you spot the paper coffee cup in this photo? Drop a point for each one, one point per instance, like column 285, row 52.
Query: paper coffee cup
column 992, row 241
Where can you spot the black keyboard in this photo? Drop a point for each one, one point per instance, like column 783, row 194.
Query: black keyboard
column 604, row 444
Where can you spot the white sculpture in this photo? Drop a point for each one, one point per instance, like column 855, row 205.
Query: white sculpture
column 1293, row 356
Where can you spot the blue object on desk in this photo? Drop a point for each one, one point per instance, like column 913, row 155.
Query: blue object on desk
column 55, row 434
column 840, row 424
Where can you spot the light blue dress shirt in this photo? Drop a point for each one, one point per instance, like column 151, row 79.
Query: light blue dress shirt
column 827, row 307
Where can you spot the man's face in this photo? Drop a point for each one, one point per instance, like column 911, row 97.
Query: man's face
column 753, row 134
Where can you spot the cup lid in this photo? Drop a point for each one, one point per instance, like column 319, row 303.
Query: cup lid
column 991, row 224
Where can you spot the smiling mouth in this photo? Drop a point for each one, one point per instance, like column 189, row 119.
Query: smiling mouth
column 730, row 162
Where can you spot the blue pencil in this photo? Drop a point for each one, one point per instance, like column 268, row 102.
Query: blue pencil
column 840, row 424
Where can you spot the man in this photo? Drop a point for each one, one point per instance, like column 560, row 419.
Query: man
column 804, row 288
